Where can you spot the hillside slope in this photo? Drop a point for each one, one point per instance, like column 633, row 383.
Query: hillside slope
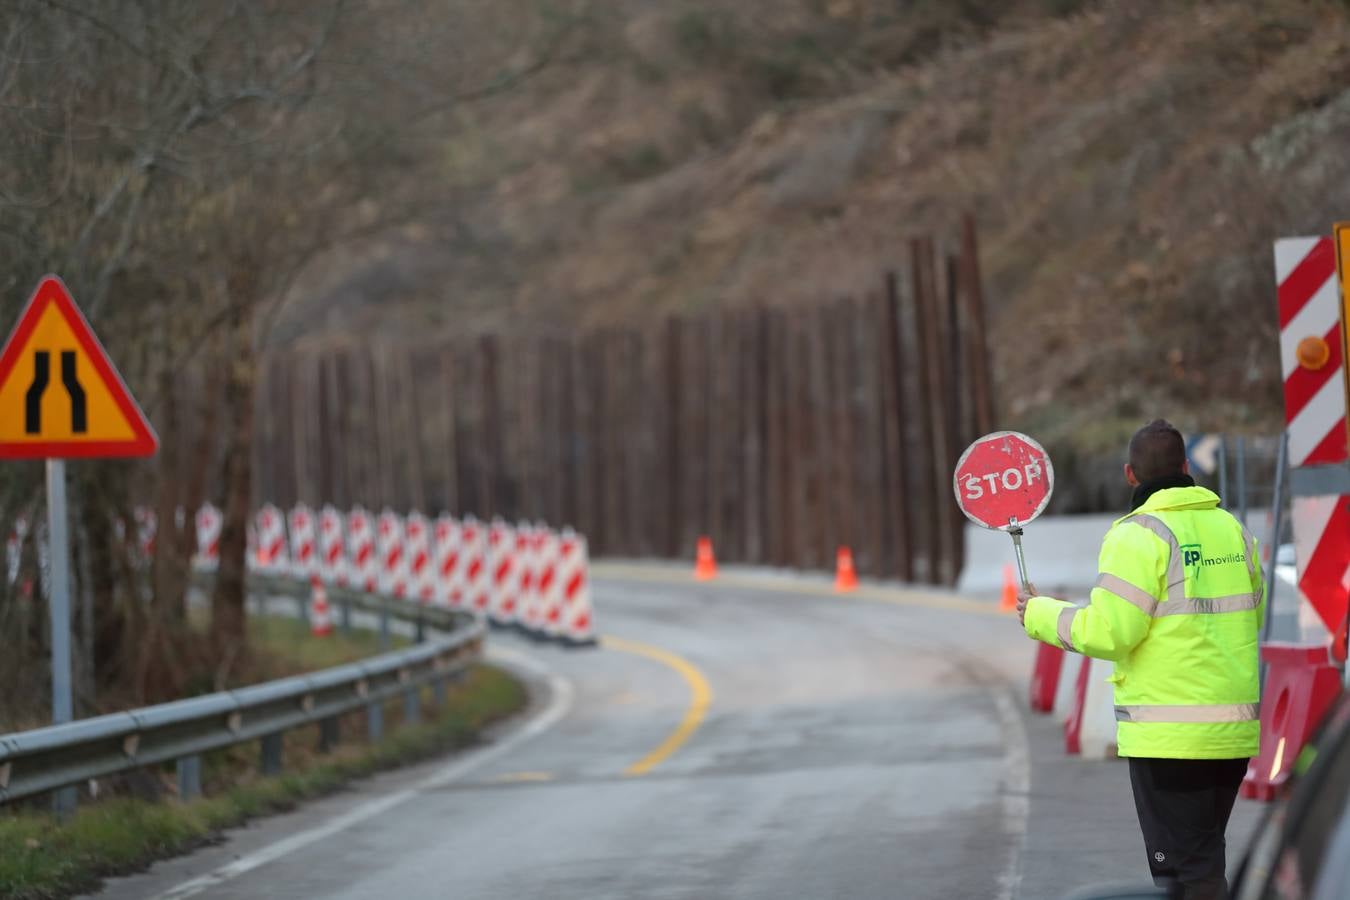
column 1129, row 165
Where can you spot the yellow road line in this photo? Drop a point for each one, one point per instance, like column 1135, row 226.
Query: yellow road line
column 872, row 593
column 700, row 698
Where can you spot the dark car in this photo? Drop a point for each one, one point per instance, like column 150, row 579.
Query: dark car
column 1301, row 850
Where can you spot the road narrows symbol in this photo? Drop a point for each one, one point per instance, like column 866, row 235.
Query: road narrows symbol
column 79, row 420
column 42, row 367
column 32, row 401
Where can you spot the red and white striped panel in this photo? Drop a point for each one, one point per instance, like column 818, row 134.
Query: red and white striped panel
column 446, row 558
column 502, row 557
column 551, row 581
column 1314, row 399
column 332, row 559
column 421, row 573
column 147, row 526
column 209, row 521
column 393, row 559
column 578, row 621
column 14, row 548
column 477, row 580
column 1322, row 545
column 251, row 547
column 528, row 611
column 304, row 542
column 272, row 556
column 362, row 563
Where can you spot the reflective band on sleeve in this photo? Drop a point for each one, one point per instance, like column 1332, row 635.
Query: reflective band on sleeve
column 1259, row 593
column 1219, row 712
column 1176, row 569
column 1193, row 606
column 1064, row 628
column 1130, row 593
column 1250, row 543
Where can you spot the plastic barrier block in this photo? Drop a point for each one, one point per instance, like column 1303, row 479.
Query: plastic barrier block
column 1301, row 685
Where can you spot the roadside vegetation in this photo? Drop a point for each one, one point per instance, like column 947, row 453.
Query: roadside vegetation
column 41, row 858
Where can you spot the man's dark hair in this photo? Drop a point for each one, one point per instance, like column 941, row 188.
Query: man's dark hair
column 1157, row 450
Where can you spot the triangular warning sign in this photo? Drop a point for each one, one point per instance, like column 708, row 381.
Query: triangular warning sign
column 60, row 395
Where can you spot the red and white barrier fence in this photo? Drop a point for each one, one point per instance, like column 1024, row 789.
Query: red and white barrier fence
column 529, row 577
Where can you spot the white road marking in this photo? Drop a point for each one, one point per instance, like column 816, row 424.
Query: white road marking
column 1016, row 792
column 561, row 694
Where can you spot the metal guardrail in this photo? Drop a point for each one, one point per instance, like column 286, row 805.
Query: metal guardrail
column 44, row 759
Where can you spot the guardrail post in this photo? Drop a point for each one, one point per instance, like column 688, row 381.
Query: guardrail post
column 384, row 623
column 420, row 633
column 440, row 690
column 375, row 721
column 412, row 705
column 189, row 777
column 271, row 754
column 302, row 607
column 328, row 734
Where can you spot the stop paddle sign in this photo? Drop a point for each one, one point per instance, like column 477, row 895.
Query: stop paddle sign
column 1003, row 480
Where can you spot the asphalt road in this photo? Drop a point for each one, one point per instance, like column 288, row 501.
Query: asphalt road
column 754, row 738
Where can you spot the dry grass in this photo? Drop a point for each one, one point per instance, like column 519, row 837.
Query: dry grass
column 44, row 859
column 1129, row 167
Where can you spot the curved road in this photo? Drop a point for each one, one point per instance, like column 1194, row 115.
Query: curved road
column 752, row 738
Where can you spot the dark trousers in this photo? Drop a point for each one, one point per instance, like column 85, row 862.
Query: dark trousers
column 1183, row 807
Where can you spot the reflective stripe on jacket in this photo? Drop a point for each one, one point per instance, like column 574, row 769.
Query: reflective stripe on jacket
column 1178, row 608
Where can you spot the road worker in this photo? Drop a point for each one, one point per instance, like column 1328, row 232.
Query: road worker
column 1177, row 607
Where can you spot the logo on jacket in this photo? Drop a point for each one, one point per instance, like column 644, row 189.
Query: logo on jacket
column 1191, row 558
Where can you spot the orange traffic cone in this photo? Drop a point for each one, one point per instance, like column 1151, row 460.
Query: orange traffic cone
column 845, row 578
column 1008, row 603
column 320, row 616
column 705, row 568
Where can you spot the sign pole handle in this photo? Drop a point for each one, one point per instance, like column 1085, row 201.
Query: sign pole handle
column 59, row 606
column 1015, row 531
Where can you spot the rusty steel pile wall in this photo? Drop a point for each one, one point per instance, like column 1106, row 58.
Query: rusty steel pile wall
column 782, row 433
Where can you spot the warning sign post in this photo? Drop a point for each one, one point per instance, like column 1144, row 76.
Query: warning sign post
column 1003, row 481
column 60, row 397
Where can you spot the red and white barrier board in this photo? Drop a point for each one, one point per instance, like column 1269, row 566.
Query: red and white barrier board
column 578, row 619
column 393, row 558
column 421, row 573
column 549, row 585
column 476, row 581
column 362, row 563
column 502, row 564
column 272, row 557
column 527, row 603
column 14, row 548
column 208, row 522
column 1310, row 350
column 147, row 527
column 1315, row 417
column 304, row 542
column 332, row 559
column 446, row 559
column 1322, row 548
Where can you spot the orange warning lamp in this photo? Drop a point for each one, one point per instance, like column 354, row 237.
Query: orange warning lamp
column 1313, row 353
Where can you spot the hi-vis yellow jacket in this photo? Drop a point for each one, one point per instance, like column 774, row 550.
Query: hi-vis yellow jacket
column 1178, row 608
